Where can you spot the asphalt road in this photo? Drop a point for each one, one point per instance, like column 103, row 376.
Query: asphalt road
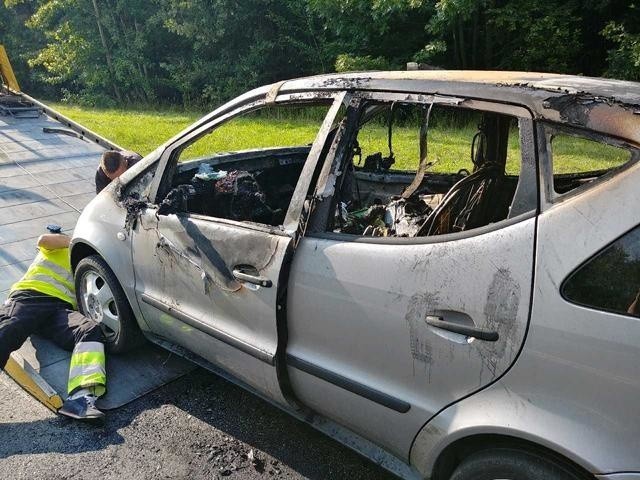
column 198, row 427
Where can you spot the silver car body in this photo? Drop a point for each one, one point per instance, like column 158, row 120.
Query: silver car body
column 341, row 341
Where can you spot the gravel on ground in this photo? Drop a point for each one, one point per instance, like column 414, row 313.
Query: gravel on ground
column 198, row 427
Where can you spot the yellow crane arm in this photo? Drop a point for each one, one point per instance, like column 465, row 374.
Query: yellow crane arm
column 8, row 77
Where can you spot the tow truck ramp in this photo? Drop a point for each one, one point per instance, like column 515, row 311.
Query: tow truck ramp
column 47, row 169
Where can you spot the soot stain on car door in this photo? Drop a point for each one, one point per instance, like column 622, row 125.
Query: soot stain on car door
column 500, row 311
column 420, row 305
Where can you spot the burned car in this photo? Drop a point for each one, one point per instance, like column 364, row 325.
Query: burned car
column 442, row 274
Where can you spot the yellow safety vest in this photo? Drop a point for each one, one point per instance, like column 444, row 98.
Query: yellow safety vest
column 49, row 273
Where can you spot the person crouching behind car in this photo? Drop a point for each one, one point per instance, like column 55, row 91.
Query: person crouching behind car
column 112, row 165
column 43, row 302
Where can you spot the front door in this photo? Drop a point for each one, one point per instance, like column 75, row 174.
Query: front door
column 208, row 256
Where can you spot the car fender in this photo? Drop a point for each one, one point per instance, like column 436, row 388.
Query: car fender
column 101, row 228
column 500, row 412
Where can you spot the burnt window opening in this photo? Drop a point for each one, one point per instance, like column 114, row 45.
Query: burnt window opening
column 420, row 170
column 247, row 168
column 139, row 187
column 610, row 280
column 578, row 159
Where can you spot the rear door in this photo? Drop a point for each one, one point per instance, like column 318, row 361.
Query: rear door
column 369, row 318
column 207, row 279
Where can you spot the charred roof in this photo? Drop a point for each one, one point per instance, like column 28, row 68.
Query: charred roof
column 524, row 83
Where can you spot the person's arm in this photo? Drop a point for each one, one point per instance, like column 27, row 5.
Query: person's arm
column 53, row 241
column 101, row 180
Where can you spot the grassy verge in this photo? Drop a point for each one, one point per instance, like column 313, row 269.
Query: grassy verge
column 141, row 131
column 450, row 147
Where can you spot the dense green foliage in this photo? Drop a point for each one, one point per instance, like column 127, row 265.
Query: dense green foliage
column 202, row 52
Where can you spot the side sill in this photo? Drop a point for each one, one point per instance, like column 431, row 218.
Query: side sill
column 619, row 476
column 360, row 389
column 209, row 330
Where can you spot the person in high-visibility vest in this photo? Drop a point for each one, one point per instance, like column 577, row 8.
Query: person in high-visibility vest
column 43, row 302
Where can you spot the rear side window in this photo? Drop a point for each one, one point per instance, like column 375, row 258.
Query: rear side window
column 611, row 280
column 577, row 160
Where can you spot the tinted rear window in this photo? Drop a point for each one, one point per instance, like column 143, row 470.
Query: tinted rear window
column 611, row 280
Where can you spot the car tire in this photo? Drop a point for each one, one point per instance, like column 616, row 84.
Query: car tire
column 512, row 464
column 101, row 298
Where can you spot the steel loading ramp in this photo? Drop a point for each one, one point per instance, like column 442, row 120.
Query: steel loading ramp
column 47, row 169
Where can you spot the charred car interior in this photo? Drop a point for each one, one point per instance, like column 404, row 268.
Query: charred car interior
column 248, row 182
column 400, row 176
column 422, row 198
column 401, row 192
column 258, row 188
column 416, row 180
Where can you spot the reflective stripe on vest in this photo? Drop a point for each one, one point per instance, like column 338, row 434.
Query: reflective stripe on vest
column 58, row 270
column 87, row 369
column 50, row 273
column 51, row 280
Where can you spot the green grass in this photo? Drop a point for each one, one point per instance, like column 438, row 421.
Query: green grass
column 250, row 132
column 448, row 147
column 144, row 130
column 141, row 131
column 571, row 154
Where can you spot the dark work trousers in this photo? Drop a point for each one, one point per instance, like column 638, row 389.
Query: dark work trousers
column 46, row 316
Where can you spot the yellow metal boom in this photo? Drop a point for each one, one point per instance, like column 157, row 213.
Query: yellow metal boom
column 8, row 77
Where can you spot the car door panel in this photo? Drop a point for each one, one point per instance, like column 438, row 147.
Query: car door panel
column 185, row 284
column 211, row 284
column 358, row 311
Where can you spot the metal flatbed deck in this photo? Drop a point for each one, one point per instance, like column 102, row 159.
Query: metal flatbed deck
column 44, row 178
column 47, row 169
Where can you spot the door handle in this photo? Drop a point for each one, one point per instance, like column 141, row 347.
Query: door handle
column 242, row 275
column 467, row 330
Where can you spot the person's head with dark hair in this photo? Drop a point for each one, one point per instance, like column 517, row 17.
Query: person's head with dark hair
column 113, row 164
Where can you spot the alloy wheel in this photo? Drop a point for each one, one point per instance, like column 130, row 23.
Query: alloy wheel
column 99, row 304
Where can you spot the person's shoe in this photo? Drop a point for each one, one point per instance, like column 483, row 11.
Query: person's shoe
column 82, row 408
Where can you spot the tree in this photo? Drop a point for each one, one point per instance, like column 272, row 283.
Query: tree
column 202, row 52
column 232, row 46
column 96, row 48
column 377, row 34
column 624, row 56
column 20, row 42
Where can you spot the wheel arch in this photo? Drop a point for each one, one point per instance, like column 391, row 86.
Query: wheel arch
column 81, row 248
column 537, row 419
column 454, row 453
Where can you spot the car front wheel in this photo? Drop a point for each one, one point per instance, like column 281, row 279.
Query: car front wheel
column 101, row 298
column 511, row 464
